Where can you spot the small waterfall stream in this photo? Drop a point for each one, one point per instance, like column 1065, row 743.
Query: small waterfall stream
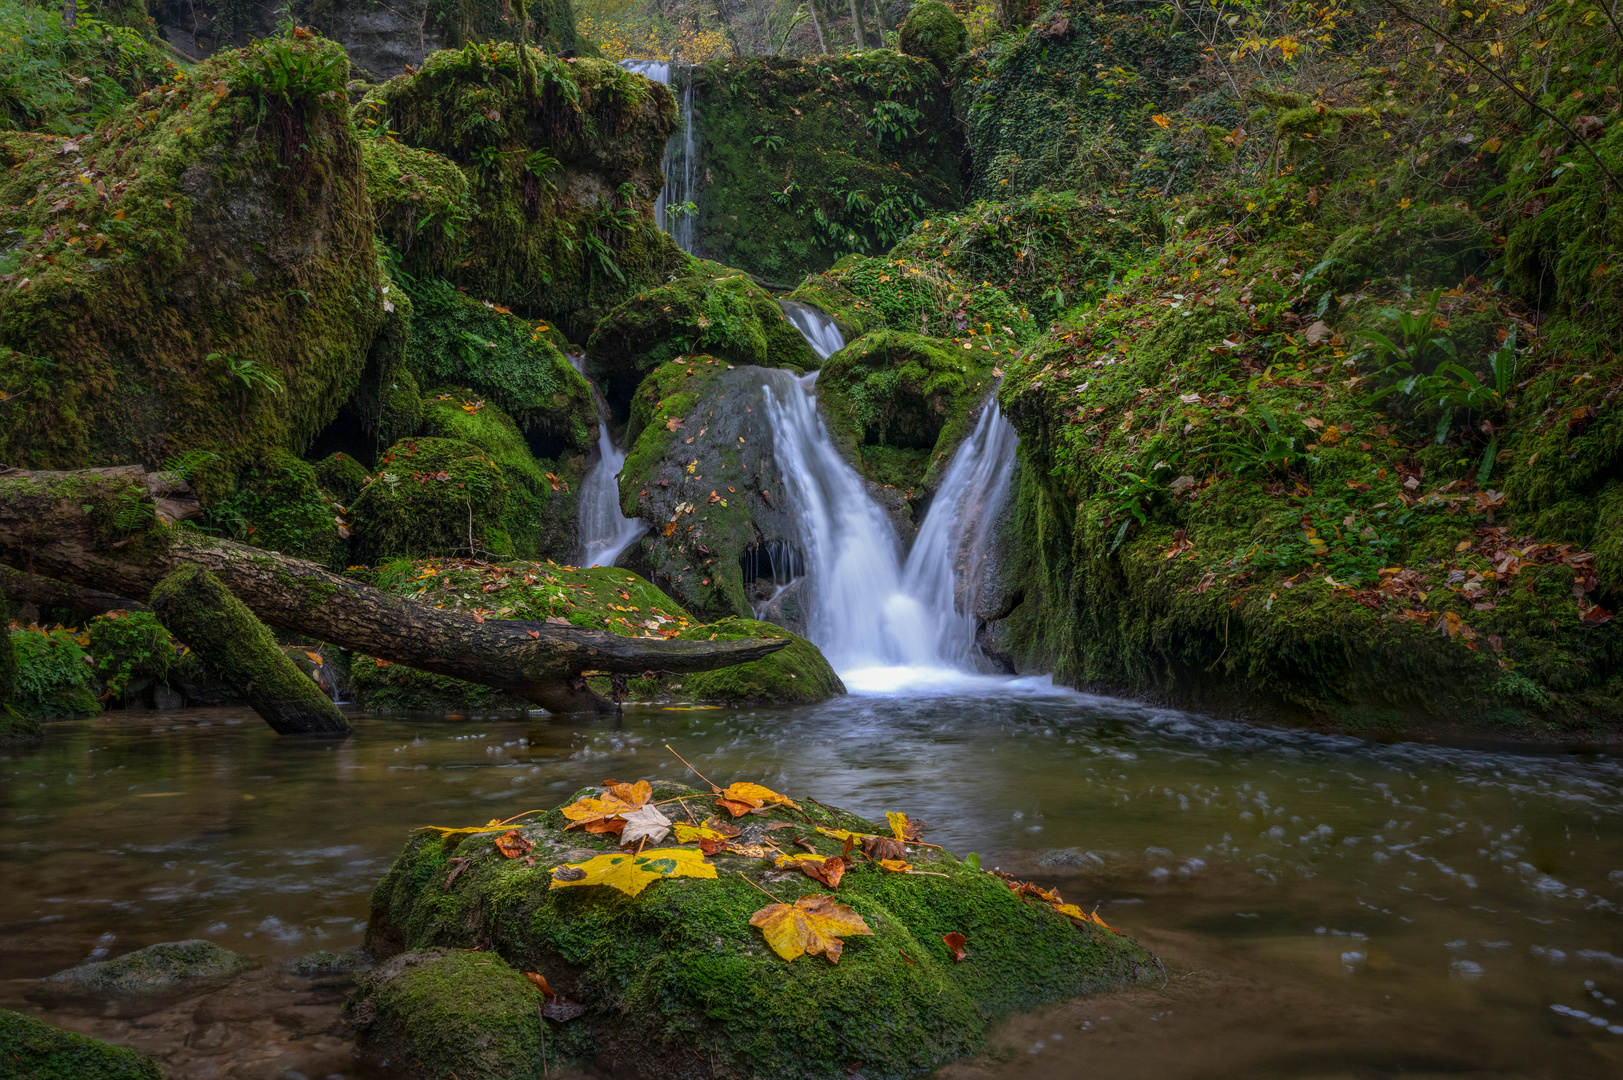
column 680, row 159
column 885, row 623
column 604, row 531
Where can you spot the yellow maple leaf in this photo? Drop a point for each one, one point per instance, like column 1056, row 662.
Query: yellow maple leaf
column 605, row 814
column 1162, row 121
column 687, row 834
column 631, row 874
column 492, row 826
column 1073, row 912
column 844, row 834
column 812, row 924
column 752, row 796
column 900, row 866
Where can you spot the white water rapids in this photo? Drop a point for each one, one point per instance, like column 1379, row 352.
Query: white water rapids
column 887, row 624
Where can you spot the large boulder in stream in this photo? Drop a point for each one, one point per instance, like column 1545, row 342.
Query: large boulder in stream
column 659, row 971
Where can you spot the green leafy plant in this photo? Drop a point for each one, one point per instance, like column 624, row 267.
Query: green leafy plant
column 772, row 144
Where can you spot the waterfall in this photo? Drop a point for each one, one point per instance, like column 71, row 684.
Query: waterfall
column 820, row 331
column 604, row 531
column 884, row 623
column 680, row 159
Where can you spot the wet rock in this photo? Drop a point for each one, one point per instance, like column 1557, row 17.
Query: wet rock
column 315, row 965
column 798, row 675
column 33, row 1050
column 154, row 969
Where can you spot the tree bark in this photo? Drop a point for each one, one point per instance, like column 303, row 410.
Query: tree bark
column 859, row 30
column 113, row 529
column 193, row 605
column 817, row 24
column 31, row 588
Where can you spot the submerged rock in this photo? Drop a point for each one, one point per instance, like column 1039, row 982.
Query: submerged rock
column 33, row 1050
column 322, row 963
column 154, row 969
column 677, row 974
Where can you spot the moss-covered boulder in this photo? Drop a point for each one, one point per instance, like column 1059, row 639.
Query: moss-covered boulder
column 701, row 470
column 31, row 1049
column 712, row 310
column 55, row 678
column 432, row 496
column 897, row 405
column 797, row 675
column 933, row 31
column 279, row 505
column 805, row 160
column 155, row 969
column 200, row 273
column 540, row 514
column 564, row 178
column 919, row 292
column 677, row 975
column 342, row 475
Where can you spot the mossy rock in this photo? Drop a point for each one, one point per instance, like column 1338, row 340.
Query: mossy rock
column 541, row 509
column 1431, row 246
column 712, row 310
column 155, row 969
column 898, row 404
column 564, row 180
column 215, row 299
column 283, row 508
column 933, row 31
column 797, row 675
column 676, row 976
column 31, row 1049
column 16, row 728
column 506, row 360
column 806, row 160
column 341, row 475
column 324, row 963
column 431, row 496
column 915, row 290
column 443, row 1011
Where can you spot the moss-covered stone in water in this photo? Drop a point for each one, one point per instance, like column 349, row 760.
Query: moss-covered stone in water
column 713, row 310
column 808, row 159
column 228, row 253
column 152, row 969
column 33, row 1050
column 444, row 1011
column 429, row 497
column 798, row 675
column 932, row 31
column 678, row 971
column 540, row 513
column 564, row 180
column 283, row 508
column 897, row 405
column 322, row 963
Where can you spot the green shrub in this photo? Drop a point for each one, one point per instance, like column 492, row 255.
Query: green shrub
column 66, row 80
column 55, row 676
column 132, row 652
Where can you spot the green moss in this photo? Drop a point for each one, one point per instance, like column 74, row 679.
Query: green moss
column 220, row 296
column 33, row 1049
column 1438, row 245
column 806, row 160
column 278, row 505
column 510, row 362
column 907, row 396
column 679, row 970
column 713, row 310
column 449, row 1011
column 917, row 295
column 797, row 675
column 932, row 31
column 54, row 674
column 155, row 968
column 540, row 513
column 431, row 496
column 377, row 684
column 564, row 179
column 341, row 475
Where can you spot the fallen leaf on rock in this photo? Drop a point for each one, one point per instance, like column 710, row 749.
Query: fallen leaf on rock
column 645, row 822
column 903, row 828
column 492, row 825
column 900, row 866
column 540, row 983
column 741, row 798
column 459, row 866
column 687, row 834
column 513, row 843
column 749, row 851
column 607, row 814
column 631, row 874
column 827, row 870
column 1074, row 912
column 812, row 924
column 883, row 847
column 955, row 944
column 843, row 834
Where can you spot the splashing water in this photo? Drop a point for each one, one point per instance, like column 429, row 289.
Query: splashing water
column 820, row 331
column 604, row 531
column 680, row 157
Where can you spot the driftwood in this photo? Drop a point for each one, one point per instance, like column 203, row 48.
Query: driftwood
column 193, row 605
column 115, row 529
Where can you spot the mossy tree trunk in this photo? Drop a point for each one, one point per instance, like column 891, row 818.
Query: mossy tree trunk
column 110, row 529
column 859, row 29
column 193, row 605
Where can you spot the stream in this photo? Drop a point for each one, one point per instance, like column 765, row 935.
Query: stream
column 1325, row 906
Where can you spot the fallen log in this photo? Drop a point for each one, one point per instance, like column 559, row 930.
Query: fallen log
column 43, row 592
column 193, row 605
column 122, row 530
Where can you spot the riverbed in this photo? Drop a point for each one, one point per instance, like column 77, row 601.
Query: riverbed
column 1325, row 906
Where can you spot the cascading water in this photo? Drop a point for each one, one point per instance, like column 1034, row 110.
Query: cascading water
column 604, row 531
column 680, row 158
column 882, row 623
